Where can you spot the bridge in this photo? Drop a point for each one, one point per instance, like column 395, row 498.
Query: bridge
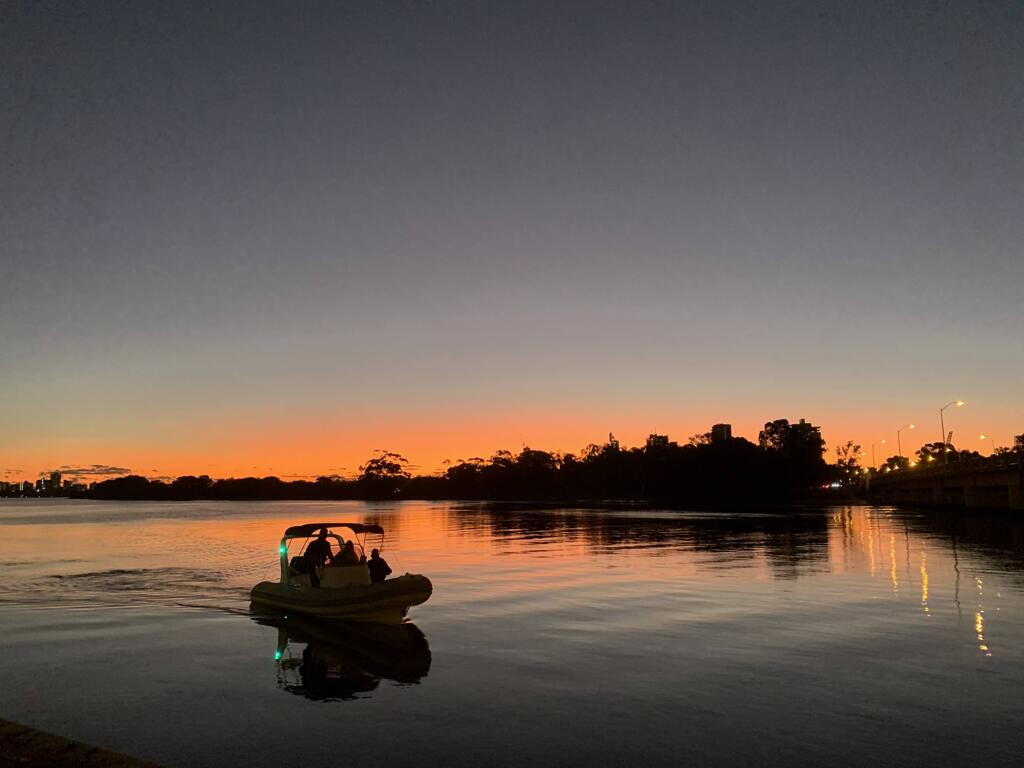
column 995, row 482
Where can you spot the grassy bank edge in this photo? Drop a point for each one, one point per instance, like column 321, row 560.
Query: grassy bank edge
column 23, row 746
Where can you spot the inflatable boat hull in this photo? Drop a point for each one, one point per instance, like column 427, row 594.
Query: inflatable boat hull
column 385, row 602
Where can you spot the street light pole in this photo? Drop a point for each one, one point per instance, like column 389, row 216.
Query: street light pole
column 874, row 465
column 942, row 423
column 899, row 445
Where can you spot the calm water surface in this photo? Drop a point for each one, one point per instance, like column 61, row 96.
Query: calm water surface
column 846, row 636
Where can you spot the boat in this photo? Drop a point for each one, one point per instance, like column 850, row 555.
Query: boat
column 345, row 591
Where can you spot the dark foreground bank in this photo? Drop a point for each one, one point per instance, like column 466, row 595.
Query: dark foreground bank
column 23, row 746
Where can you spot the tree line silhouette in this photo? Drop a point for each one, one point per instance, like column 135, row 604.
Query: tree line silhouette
column 786, row 462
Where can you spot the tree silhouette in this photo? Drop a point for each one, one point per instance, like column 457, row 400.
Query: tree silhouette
column 896, row 462
column 383, row 474
column 802, row 447
column 773, row 436
column 191, row 487
column 931, row 452
column 384, row 465
column 848, row 455
column 847, row 466
column 701, row 438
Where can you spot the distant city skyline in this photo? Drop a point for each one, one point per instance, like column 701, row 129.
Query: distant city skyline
column 265, row 238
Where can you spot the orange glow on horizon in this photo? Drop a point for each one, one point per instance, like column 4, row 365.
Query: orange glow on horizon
column 307, row 446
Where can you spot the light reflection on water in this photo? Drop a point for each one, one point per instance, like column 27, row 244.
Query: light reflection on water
column 850, row 636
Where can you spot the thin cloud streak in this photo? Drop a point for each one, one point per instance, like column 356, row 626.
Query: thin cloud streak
column 94, row 470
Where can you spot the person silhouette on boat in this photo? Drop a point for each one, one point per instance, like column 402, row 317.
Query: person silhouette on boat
column 379, row 568
column 347, row 555
column 317, row 554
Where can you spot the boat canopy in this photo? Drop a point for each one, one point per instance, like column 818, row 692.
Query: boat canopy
column 308, row 529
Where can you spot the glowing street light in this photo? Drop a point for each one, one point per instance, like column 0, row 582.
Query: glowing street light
column 899, row 445
column 991, row 440
column 942, row 423
column 880, row 442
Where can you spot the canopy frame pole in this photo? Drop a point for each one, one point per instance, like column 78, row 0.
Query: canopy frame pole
column 286, row 577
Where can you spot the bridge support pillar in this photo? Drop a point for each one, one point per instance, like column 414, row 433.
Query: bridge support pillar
column 995, row 497
column 951, row 496
column 1016, row 497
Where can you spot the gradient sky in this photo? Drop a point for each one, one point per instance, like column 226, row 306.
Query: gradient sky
column 267, row 238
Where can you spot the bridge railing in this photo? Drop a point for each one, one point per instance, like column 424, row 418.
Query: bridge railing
column 959, row 466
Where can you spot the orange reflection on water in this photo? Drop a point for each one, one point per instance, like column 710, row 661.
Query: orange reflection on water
column 892, row 564
column 979, row 618
column 924, row 582
column 535, row 558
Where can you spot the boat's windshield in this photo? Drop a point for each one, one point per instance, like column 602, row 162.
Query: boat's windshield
column 298, row 539
column 337, row 548
column 339, row 542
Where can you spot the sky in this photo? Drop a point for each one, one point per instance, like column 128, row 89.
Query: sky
column 270, row 238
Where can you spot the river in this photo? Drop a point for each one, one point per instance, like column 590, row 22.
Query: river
column 563, row 636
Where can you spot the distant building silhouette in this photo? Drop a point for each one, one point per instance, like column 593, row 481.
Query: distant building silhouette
column 655, row 442
column 809, row 428
column 721, row 433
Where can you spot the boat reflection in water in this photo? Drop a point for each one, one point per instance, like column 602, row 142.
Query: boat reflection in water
column 340, row 660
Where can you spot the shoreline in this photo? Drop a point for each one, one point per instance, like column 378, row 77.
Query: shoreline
column 694, row 503
column 21, row 745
